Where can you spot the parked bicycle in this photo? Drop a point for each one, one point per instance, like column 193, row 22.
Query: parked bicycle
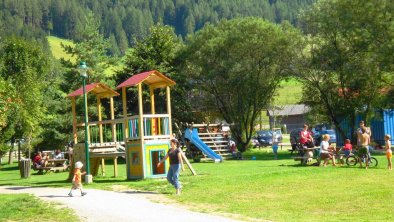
column 353, row 159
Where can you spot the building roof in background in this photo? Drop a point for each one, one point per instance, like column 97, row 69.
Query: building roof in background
column 289, row 110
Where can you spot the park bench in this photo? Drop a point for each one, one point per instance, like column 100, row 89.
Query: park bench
column 306, row 160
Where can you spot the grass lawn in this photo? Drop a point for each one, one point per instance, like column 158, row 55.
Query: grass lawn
column 277, row 190
column 25, row 207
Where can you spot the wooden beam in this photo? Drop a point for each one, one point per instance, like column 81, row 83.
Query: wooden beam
column 102, row 167
column 141, row 125
column 126, row 125
column 169, row 109
column 152, row 100
column 141, row 112
column 75, row 135
column 188, row 164
column 116, row 167
column 113, row 125
column 153, row 111
column 100, row 118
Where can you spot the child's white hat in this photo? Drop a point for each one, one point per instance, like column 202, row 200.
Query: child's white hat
column 78, row 165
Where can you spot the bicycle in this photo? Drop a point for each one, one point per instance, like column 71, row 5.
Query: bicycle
column 353, row 159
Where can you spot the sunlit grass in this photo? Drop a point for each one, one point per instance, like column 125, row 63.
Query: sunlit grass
column 25, row 207
column 277, row 190
column 290, row 92
column 57, row 51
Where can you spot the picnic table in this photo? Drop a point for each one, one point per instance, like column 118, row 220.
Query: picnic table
column 53, row 165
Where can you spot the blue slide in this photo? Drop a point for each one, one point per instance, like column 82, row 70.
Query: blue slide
column 193, row 137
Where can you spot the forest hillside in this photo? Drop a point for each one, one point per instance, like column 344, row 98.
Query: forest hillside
column 124, row 21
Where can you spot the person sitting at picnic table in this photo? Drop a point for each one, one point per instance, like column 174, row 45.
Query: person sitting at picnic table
column 58, row 154
column 325, row 153
column 40, row 161
column 306, row 138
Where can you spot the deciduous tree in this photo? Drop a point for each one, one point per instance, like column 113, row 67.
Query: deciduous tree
column 239, row 64
column 348, row 58
column 24, row 66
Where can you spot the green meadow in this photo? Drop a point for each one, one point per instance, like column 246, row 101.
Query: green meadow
column 266, row 189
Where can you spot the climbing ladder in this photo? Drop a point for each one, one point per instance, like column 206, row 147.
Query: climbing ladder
column 214, row 138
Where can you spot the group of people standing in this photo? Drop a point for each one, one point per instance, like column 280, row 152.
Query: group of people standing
column 363, row 145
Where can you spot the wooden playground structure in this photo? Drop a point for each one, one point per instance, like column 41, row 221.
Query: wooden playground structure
column 143, row 139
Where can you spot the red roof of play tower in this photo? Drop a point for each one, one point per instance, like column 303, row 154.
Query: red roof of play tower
column 97, row 88
column 153, row 77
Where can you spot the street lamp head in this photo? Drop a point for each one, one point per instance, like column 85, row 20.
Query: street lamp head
column 82, row 69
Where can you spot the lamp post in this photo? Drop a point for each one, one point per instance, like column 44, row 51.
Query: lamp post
column 83, row 72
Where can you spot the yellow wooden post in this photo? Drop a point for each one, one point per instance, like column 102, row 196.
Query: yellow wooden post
column 100, row 118
column 141, row 127
column 102, row 166
column 141, row 113
column 115, row 166
column 169, row 109
column 75, row 135
column 126, row 125
column 153, row 111
column 113, row 125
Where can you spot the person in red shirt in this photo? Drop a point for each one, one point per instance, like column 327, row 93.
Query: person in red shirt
column 347, row 149
column 306, row 138
column 39, row 161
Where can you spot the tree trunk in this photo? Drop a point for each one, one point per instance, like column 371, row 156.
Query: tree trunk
column 11, row 150
column 352, row 125
column 10, row 155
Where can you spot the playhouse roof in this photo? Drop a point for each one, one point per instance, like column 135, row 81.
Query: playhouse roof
column 153, row 78
column 99, row 89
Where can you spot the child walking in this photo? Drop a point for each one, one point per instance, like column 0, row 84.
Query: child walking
column 77, row 182
column 389, row 152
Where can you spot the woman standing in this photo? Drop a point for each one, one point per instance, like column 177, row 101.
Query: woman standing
column 175, row 155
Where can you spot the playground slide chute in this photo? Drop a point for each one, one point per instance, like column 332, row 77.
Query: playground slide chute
column 192, row 136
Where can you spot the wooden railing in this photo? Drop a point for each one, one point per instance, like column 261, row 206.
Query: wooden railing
column 155, row 126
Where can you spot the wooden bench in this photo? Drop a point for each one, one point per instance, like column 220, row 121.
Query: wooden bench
column 281, row 145
column 45, row 170
column 53, row 165
column 304, row 160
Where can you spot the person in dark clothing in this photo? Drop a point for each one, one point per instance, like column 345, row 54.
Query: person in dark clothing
column 176, row 162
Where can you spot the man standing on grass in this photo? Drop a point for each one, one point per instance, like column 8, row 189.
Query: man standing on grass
column 360, row 133
column 364, row 151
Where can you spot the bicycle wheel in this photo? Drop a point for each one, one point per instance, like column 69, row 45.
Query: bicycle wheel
column 351, row 161
column 373, row 162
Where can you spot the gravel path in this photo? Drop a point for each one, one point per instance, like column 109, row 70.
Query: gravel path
column 100, row 205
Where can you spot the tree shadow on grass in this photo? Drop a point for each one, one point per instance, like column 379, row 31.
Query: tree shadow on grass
column 9, row 168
